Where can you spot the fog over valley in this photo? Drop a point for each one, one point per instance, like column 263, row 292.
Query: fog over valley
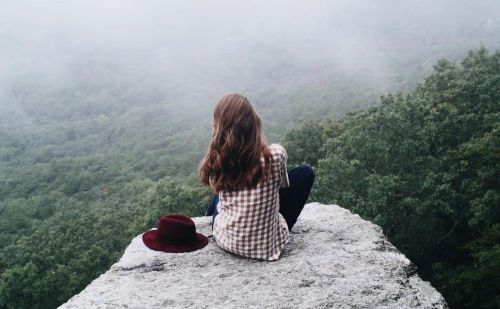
column 91, row 58
column 106, row 110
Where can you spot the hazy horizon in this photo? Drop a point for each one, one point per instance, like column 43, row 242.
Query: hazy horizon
column 193, row 52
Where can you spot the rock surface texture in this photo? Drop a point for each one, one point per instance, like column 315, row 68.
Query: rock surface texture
column 334, row 259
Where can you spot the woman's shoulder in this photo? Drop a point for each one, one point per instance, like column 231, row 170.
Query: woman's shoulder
column 278, row 150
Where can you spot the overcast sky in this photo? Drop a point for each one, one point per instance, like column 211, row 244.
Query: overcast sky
column 177, row 43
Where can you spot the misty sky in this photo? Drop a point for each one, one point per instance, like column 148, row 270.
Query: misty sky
column 210, row 47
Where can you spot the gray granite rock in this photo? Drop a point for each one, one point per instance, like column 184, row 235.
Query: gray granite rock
column 334, row 259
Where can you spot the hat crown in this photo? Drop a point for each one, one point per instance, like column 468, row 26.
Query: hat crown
column 176, row 230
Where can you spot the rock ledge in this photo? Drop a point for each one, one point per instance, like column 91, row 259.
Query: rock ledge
column 334, row 259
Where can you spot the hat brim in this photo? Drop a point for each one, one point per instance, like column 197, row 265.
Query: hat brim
column 149, row 239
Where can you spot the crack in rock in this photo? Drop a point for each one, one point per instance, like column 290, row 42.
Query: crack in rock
column 141, row 268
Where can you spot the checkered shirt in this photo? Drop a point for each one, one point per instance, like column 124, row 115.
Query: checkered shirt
column 249, row 223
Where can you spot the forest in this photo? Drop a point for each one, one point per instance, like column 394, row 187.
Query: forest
column 424, row 165
column 105, row 114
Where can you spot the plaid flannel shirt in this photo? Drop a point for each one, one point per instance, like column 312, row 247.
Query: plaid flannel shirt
column 249, row 223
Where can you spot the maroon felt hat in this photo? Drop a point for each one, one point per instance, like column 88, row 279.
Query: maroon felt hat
column 174, row 233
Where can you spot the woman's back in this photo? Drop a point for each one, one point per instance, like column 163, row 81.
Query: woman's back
column 249, row 222
column 248, row 174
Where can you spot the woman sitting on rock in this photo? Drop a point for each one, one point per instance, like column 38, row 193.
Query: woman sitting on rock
column 257, row 201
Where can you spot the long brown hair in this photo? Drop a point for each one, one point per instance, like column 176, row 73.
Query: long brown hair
column 233, row 158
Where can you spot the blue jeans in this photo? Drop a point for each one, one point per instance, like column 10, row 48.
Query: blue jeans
column 292, row 199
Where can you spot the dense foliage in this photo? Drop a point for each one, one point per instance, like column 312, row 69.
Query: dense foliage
column 64, row 252
column 86, row 168
column 426, row 167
